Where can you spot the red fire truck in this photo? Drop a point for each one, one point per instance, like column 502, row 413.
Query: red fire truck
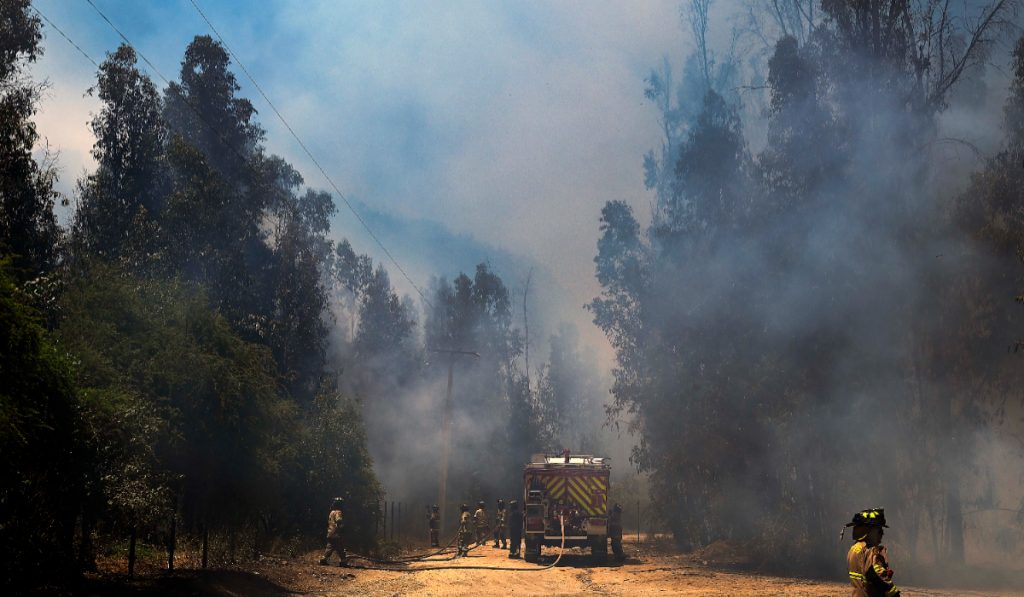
column 573, row 488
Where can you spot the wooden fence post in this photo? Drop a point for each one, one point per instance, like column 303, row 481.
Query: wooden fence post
column 131, row 552
column 173, row 540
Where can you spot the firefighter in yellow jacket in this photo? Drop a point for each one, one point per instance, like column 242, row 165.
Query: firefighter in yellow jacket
column 465, row 533
column 483, row 524
column 867, row 561
column 335, row 532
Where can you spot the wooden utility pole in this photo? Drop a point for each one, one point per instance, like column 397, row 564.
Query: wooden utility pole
column 446, row 428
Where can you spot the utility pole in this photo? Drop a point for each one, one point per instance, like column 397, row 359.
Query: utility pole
column 446, row 429
column 526, row 327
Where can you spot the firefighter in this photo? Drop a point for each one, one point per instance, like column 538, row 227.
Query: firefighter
column 335, row 531
column 515, row 529
column 465, row 534
column 499, row 525
column 615, row 531
column 866, row 561
column 435, row 525
column 483, row 525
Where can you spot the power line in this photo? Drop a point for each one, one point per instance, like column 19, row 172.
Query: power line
column 307, row 151
column 220, row 135
column 192, row 106
column 195, row 109
column 127, row 41
column 64, row 35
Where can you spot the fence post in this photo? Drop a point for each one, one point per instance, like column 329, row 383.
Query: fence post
column 173, row 539
column 206, row 544
column 131, row 552
column 392, row 520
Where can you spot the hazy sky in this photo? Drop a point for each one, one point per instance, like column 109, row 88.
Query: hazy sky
column 512, row 122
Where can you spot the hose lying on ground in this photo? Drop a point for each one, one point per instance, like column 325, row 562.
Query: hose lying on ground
column 407, row 559
column 561, row 551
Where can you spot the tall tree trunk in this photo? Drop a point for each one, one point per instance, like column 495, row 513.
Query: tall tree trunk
column 954, row 521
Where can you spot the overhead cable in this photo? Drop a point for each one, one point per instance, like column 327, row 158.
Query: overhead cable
column 308, row 153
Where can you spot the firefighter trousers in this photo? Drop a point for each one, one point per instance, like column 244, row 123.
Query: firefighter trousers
column 335, row 545
column 514, row 542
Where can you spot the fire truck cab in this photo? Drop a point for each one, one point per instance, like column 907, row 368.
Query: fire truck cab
column 573, row 488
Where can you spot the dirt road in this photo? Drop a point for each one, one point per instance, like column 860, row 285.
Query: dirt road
column 652, row 573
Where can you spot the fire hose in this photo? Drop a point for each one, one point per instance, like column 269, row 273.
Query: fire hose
column 407, row 559
column 419, row 558
column 561, row 551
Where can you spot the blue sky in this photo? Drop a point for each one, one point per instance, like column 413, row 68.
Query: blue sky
column 512, row 123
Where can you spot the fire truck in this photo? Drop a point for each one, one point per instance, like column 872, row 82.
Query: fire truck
column 569, row 488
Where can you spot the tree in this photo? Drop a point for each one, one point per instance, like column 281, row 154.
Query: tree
column 123, row 198
column 205, row 112
column 804, row 151
column 297, row 277
column 566, row 393
column 711, row 187
column 334, row 461
column 158, row 346
column 739, row 321
column 474, row 314
column 28, row 226
column 44, row 464
column 223, row 186
column 991, row 210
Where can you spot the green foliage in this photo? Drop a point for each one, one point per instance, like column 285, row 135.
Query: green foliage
column 41, row 476
column 120, row 199
column 195, row 306
column 159, row 346
column 335, row 463
column 205, row 112
column 28, row 227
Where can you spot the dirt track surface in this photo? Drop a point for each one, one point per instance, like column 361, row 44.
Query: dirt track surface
column 648, row 574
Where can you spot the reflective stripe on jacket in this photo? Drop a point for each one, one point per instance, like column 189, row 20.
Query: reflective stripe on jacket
column 869, row 571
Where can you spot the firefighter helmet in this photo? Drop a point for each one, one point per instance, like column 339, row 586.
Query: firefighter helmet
column 873, row 517
column 501, row 504
column 481, row 504
column 464, row 508
column 434, row 508
column 616, row 508
column 338, row 503
column 514, row 504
